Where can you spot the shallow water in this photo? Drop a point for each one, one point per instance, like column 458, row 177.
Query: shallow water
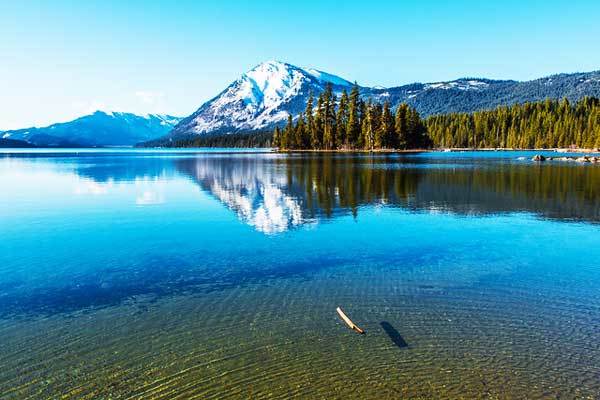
column 212, row 274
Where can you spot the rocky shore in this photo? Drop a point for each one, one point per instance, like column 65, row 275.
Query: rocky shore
column 582, row 159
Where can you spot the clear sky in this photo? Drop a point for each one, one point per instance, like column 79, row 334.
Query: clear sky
column 62, row 59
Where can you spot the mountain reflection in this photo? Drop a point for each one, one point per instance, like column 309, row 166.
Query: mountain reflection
column 251, row 186
column 276, row 193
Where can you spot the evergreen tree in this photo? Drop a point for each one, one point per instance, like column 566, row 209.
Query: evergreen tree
column 363, row 142
column 342, row 121
column 301, row 135
column 310, row 123
column 353, row 125
column 415, row 128
column 385, row 134
column 369, row 126
column 287, row 139
column 376, row 141
column 328, row 118
column 277, row 137
column 401, row 126
column 317, row 131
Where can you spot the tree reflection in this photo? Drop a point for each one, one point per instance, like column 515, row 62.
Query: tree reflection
column 275, row 193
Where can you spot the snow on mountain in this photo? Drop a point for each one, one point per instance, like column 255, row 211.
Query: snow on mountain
column 325, row 77
column 102, row 128
column 259, row 99
column 264, row 96
column 460, row 84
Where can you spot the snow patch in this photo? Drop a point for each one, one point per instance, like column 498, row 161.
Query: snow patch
column 459, row 84
column 328, row 78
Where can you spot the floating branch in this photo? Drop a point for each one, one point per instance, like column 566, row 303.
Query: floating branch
column 349, row 322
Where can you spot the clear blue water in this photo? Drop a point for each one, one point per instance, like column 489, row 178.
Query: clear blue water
column 196, row 273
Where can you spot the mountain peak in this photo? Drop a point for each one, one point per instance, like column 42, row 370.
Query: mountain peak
column 275, row 68
column 272, row 64
column 260, row 98
column 264, row 96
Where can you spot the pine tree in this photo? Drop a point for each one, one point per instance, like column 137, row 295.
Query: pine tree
column 317, row 131
column 415, row 128
column 369, row 126
column 277, row 137
column 288, row 134
column 363, row 141
column 385, row 133
column 310, row 123
column 401, row 126
column 353, row 125
column 300, row 134
column 375, row 139
column 328, row 118
column 342, row 120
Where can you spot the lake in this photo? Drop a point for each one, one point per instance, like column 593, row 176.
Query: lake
column 216, row 274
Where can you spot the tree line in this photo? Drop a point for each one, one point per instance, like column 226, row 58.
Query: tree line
column 350, row 123
column 237, row 139
column 544, row 124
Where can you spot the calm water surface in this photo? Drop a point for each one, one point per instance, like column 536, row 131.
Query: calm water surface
column 213, row 274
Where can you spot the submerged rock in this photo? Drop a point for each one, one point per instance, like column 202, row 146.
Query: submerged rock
column 582, row 159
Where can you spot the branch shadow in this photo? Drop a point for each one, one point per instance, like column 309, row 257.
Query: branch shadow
column 394, row 335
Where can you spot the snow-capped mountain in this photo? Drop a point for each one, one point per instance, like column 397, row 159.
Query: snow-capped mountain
column 263, row 97
column 98, row 129
column 259, row 99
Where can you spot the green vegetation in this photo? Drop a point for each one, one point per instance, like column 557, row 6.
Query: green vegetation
column 545, row 124
column 352, row 124
column 242, row 139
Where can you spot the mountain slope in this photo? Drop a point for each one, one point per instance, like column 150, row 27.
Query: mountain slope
column 258, row 99
column 98, row 129
column 468, row 95
column 263, row 97
column 10, row 143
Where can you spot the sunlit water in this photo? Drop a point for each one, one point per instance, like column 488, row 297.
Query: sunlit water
column 197, row 274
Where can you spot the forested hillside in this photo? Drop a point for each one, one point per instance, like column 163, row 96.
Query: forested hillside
column 546, row 124
column 351, row 123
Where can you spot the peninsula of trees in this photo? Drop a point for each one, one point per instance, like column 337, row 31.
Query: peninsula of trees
column 351, row 123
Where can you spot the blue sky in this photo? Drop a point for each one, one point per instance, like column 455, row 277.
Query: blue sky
column 62, row 59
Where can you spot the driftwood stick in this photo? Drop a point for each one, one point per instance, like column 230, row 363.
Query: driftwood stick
column 349, row 322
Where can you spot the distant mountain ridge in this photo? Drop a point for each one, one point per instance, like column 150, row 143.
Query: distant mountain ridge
column 98, row 129
column 264, row 96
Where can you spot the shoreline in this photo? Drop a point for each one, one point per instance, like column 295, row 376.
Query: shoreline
column 437, row 150
column 276, row 150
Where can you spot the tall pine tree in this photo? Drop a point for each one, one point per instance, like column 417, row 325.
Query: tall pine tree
column 353, row 125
